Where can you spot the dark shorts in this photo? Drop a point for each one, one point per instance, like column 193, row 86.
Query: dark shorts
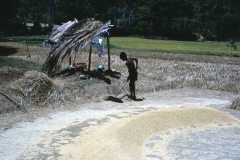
column 133, row 76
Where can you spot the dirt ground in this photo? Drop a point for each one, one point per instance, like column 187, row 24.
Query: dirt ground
column 94, row 128
column 131, row 130
column 11, row 114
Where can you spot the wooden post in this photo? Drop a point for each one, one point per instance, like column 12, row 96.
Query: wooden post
column 69, row 60
column 108, row 52
column 89, row 60
column 29, row 55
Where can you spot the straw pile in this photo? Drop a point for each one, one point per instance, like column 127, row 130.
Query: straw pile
column 38, row 89
column 71, row 36
column 235, row 104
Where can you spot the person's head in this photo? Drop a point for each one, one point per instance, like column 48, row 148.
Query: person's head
column 123, row 56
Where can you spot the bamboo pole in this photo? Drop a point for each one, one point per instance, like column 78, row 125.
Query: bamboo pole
column 108, row 52
column 89, row 60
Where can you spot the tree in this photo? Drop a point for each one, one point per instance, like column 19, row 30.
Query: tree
column 216, row 20
column 8, row 10
column 66, row 10
column 228, row 24
column 213, row 19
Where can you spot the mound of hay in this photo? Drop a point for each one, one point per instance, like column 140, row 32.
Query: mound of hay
column 38, row 89
column 9, row 74
column 235, row 104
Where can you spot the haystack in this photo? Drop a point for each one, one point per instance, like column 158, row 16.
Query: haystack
column 73, row 35
column 38, row 89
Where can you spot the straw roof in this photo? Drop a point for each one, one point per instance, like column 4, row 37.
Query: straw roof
column 69, row 36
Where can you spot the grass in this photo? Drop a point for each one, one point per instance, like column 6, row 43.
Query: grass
column 147, row 45
column 168, row 46
column 32, row 40
column 19, row 63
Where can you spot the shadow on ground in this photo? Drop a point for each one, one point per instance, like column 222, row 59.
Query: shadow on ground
column 7, row 51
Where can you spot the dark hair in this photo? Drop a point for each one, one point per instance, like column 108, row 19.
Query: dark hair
column 123, row 55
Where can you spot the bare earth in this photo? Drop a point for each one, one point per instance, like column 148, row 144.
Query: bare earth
column 184, row 123
column 161, row 126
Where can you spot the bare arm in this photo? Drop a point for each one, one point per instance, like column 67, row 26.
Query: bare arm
column 136, row 61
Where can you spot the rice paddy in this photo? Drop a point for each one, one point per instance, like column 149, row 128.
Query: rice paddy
column 169, row 46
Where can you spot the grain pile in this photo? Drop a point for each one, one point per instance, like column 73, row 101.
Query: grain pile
column 38, row 89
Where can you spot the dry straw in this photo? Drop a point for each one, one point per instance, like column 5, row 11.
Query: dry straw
column 38, row 89
column 72, row 36
column 235, row 104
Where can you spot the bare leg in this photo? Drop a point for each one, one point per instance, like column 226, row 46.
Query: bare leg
column 130, row 86
column 132, row 89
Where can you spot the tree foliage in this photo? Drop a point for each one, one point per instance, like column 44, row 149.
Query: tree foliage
column 8, row 10
column 174, row 19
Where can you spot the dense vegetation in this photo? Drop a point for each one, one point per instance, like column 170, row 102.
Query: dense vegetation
column 174, row 19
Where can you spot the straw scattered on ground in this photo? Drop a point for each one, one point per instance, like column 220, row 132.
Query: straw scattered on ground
column 235, row 104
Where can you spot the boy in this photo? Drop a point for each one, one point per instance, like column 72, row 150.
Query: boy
column 133, row 74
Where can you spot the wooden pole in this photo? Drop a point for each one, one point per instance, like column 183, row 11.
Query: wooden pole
column 69, row 60
column 29, row 55
column 18, row 105
column 108, row 52
column 89, row 60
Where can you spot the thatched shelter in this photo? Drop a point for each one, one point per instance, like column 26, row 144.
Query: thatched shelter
column 74, row 35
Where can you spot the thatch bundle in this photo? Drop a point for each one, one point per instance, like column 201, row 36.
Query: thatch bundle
column 38, row 89
column 72, row 36
column 235, row 104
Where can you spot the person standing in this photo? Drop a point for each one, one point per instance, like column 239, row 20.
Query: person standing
column 133, row 74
